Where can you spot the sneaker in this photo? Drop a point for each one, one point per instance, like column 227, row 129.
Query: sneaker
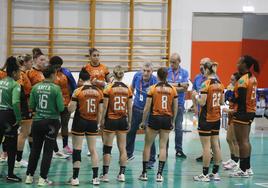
column 250, row 172
column 29, row 179
column 21, row 164
column 95, row 181
column 227, row 162
column 104, row 178
column 159, row 178
column 121, row 178
column 150, row 165
column 88, row 154
column 143, row 177
column 202, row 178
column 180, row 154
column 60, row 155
column 131, row 158
column 74, row 181
column 44, row 182
column 214, row 177
column 239, row 174
column 67, row 150
column 230, row 166
column 13, row 178
column 3, row 157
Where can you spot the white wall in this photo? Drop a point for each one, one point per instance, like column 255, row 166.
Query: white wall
column 182, row 13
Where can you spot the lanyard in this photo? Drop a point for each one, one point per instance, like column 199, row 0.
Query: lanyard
column 175, row 77
column 141, row 86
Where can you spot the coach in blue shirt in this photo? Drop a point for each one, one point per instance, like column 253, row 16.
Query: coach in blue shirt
column 140, row 84
column 178, row 77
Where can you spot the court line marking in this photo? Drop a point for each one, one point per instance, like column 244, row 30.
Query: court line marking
column 262, row 184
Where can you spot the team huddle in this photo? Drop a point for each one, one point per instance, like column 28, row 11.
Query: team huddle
column 39, row 99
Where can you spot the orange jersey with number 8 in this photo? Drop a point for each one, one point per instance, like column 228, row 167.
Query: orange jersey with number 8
column 118, row 94
column 88, row 98
column 211, row 111
column 162, row 95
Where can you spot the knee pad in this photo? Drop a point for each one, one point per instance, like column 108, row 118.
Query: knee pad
column 107, row 150
column 76, row 155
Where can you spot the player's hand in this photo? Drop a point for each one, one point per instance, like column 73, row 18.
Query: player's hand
column 226, row 110
column 94, row 81
column 142, row 125
column 129, row 126
column 173, row 125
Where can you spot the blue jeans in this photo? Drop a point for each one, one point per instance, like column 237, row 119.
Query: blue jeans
column 178, row 129
column 131, row 136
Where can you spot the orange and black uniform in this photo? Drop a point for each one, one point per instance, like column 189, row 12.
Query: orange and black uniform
column 118, row 94
column 162, row 95
column 35, row 76
column 210, row 114
column 26, row 88
column 99, row 72
column 3, row 74
column 88, row 98
column 245, row 99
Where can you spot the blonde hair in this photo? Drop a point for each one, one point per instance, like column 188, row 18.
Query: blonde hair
column 118, row 72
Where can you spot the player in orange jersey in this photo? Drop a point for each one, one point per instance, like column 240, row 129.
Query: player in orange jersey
column 116, row 119
column 87, row 101
column 245, row 101
column 162, row 100
column 210, row 99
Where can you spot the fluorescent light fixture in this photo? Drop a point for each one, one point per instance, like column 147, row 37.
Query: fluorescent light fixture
column 248, row 8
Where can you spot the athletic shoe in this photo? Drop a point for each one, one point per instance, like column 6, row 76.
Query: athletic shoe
column 121, row 178
column 250, row 172
column 180, row 154
column 60, row 155
column 231, row 165
column 131, row 158
column 239, row 174
column 29, row 179
column 214, row 177
column 74, row 182
column 95, row 181
column 159, row 178
column 44, row 182
column 104, row 178
column 202, row 178
column 227, row 162
column 21, row 164
column 13, row 178
column 88, row 154
column 143, row 177
column 67, row 150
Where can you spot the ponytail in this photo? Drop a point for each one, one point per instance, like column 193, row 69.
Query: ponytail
column 249, row 61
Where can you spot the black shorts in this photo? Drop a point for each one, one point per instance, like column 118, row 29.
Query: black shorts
column 83, row 127
column 7, row 120
column 243, row 118
column 209, row 128
column 160, row 122
column 116, row 125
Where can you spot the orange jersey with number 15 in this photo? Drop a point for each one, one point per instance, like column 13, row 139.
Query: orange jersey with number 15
column 88, row 98
column 118, row 94
column 211, row 111
column 162, row 95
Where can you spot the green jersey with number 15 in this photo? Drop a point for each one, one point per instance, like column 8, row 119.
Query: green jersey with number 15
column 46, row 101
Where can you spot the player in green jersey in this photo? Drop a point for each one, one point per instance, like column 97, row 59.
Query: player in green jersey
column 47, row 102
column 10, row 114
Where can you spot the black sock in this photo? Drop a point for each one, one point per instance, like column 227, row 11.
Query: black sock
column 215, row 169
column 19, row 155
column 205, row 170
column 122, row 170
column 105, row 170
column 30, row 145
column 95, row 172
column 248, row 163
column 144, row 166
column 64, row 141
column 232, row 156
column 243, row 164
column 161, row 165
column 236, row 159
column 75, row 172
